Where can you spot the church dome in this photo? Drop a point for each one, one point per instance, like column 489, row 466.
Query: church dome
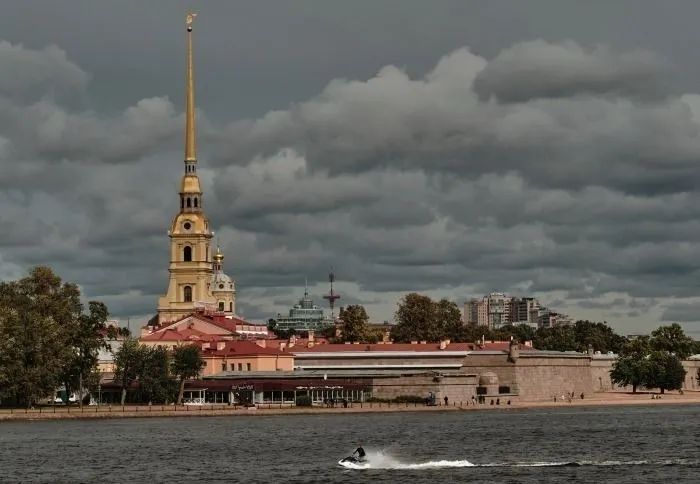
column 219, row 278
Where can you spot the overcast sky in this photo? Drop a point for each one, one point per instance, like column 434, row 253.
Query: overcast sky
column 545, row 148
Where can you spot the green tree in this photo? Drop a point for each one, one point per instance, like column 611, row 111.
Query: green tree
column 666, row 371
column 86, row 335
column 448, row 319
column 355, row 323
column 187, row 363
column 36, row 314
column 599, row 336
column 418, row 318
column 128, row 363
column 557, row 338
column 673, row 340
column 114, row 333
column 155, row 382
column 632, row 366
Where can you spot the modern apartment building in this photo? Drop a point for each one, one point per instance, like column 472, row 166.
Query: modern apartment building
column 496, row 310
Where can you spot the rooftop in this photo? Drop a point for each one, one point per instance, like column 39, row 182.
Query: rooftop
column 239, row 348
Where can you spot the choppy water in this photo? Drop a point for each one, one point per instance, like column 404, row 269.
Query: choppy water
column 596, row 445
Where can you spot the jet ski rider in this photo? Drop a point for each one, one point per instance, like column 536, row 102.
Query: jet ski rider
column 360, row 453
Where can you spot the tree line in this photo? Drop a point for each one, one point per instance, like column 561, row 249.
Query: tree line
column 160, row 372
column 655, row 361
column 420, row 318
column 650, row 361
column 48, row 338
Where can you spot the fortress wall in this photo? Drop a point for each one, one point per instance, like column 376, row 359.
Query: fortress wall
column 457, row 388
column 494, row 363
column 691, row 376
column 600, row 375
column 543, row 377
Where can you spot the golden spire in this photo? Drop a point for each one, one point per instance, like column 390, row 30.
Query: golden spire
column 190, row 142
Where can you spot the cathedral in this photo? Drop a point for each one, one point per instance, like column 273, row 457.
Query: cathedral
column 197, row 279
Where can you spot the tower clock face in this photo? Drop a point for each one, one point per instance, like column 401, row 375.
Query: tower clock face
column 187, row 225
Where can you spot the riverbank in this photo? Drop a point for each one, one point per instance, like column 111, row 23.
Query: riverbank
column 144, row 411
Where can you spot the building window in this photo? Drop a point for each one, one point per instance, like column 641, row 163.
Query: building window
column 233, row 366
column 189, row 202
column 187, row 254
column 188, row 293
column 223, row 366
column 221, row 306
column 195, row 202
column 230, row 307
column 240, row 367
column 248, row 365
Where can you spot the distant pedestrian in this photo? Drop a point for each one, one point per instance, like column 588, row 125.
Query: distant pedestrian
column 446, row 400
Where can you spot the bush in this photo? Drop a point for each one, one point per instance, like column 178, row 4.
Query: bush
column 303, row 401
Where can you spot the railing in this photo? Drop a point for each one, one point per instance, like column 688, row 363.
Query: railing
column 223, row 408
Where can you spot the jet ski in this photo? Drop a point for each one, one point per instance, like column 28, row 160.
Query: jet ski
column 352, row 462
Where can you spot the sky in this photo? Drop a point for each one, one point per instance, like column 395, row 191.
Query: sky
column 454, row 148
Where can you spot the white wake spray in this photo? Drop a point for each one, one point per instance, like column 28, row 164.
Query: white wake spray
column 381, row 460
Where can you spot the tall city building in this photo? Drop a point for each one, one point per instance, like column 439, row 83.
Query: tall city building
column 196, row 278
column 496, row 310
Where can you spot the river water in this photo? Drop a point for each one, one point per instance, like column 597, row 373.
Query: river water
column 596, row 445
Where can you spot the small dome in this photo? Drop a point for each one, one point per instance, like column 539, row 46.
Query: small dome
column 488, row 378
column 220, row 278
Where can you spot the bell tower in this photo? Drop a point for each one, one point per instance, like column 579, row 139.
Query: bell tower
column 190, row 236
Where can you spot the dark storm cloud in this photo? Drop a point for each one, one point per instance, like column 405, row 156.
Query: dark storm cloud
column 427, row 150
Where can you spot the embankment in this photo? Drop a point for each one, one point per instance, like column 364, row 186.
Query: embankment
column 103, row 411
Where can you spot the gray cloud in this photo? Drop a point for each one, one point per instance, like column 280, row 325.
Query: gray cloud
column 562, row 169
column 539, row 69
column 682, row 312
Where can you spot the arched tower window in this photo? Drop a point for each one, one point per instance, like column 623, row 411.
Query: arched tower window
column 195, row 202
column 182, row 203
column 221, row 306
column 187, row 293
column 187, row 254
column 189, row 202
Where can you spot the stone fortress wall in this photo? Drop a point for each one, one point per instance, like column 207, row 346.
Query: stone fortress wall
column 526, row 376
